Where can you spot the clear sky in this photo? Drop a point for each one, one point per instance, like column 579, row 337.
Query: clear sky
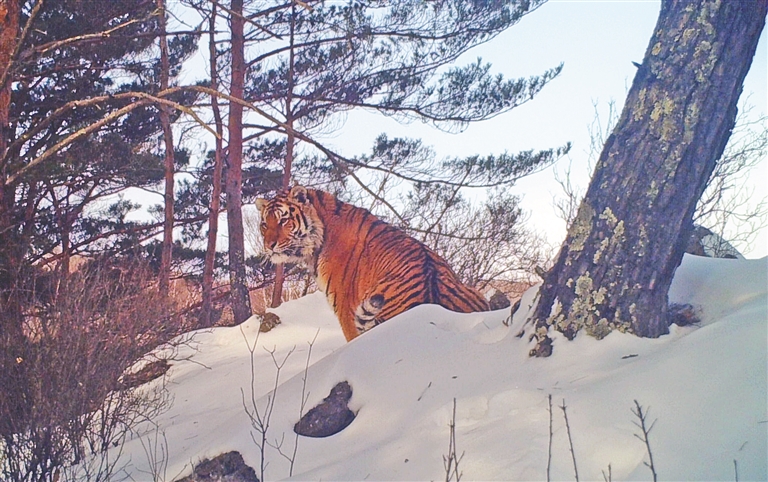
column 597, row 41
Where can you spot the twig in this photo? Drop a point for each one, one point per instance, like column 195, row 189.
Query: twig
column 425, row 391
column 735, row 471
column 638, row 412
column 570, row 441
column 549, row 448
column 608, row 477
column 304, row 397
column 260, row 419
column 451, row 461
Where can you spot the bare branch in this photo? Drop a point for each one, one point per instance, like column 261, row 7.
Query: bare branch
column 570, row 440
column 638, row 412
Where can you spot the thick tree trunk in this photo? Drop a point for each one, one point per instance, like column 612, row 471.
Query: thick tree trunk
column 241, row 305
column 213, row 214
column 614, row 270
column 165, row 122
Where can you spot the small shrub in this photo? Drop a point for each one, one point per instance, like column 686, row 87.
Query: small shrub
column 62, row 402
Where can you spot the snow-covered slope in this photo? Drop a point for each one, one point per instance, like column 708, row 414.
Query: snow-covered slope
column 705, row 386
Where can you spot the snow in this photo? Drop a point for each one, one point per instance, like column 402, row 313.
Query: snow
column 705, row 386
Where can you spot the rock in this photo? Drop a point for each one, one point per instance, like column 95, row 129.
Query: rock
column 228, row 467
column 704, row 242
column 268, row 321
column 682, row 314
column 147, row 373
column 499, row 301
column 329, row 417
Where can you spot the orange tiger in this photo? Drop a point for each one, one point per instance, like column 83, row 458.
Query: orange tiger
column 369, row 270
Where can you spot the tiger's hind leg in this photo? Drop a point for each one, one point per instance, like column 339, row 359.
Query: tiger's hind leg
column 366, row 314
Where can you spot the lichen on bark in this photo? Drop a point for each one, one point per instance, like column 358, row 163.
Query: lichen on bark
column 615, row 267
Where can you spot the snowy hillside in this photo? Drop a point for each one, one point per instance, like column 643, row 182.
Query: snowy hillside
column 704, row 385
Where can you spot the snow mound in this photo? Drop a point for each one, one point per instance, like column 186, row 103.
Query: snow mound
column 705, row 387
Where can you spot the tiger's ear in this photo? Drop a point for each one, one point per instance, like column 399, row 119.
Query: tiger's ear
column 261, row 204
column 299, row 194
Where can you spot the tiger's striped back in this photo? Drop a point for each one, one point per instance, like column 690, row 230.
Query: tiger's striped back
column 369, row 270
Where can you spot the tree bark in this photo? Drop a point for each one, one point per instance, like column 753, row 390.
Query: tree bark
column 165, row 122
column 9, row 30
column 277, row 291
column 615, row 268
column 213, row 214
column 241, row 305
column 10, row 252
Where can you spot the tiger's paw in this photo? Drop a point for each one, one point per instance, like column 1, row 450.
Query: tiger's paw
column 366, row 314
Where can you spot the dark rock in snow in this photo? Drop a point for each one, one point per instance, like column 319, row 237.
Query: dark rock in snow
column 330, row 416
column 147, row 373
column 268, row 321
column 228, row 467
column 499, row 301
column 704, row 242
column 682, row 315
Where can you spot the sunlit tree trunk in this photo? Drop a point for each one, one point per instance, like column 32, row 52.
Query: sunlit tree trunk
column 165, row 122
column 615, row 268
column 213, row 214
column 241, row 305
column 9, row 254
column 277, row 292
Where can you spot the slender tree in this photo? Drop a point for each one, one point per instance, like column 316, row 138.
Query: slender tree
column 614, row 270
column 218, row 157
column 169, row 165
column 241, row 305
column 10, row 11
column 277, row 291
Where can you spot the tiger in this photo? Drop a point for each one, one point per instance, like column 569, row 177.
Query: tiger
column 369, row 270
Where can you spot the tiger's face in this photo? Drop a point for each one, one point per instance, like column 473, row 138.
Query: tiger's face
column 291, row 228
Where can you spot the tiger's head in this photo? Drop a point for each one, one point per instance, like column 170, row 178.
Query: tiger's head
column 290, row 226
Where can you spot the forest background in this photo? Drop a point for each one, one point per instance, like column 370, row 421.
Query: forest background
column 113, row 116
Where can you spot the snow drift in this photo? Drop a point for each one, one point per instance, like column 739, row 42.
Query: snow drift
column 703, row 385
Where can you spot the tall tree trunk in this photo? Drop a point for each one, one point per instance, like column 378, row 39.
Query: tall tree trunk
column 10, row 314
column 213, row 214
column 241, row 304
column 9, row 30
column 165, row 122
column 277, row 292
column 13, row 343
column 615, row 268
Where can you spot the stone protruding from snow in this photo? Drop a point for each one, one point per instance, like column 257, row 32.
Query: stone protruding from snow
column 704, row 242
column 330, row 416
column 228, row 467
